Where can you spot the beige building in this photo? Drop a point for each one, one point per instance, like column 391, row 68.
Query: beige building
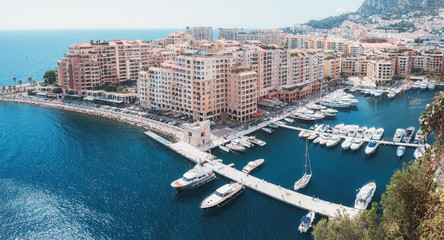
column 201, row 33
column 242, row 93
column 197, row 134
column 380, row 70
column 332, row 67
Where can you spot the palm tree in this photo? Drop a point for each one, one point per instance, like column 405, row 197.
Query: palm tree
column 9, row 89
column 30, row 80
column 4, row 90
column 14, row 79
column 20, row 82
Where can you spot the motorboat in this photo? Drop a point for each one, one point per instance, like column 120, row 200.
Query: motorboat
column 325, row 127
column 423, row 85
column 365, row 195
column 301, row 133
column 306, row 222
column 399, row 133
column 361, row 132
column 338, row 128
column 352, row 129
column 416, row 85
column 419, row 137
column 314, row 106
column 193, row 178
column 330, row 129
column 256, row 141
column 378, row 134
column 324, row 139
column 242, row 142
column 312, row 137
column 371, row 147
column 400, row 151
column 267, row 130
column 301, row 117
column 252, row 165
column 327, row 114
column 274, row 125
column 222, row 195
column 357, row 143
column 408, row 134
column 347, row 143
column 329, row 110
column 369, row 133
column 313, row 127
column 391, row 95
column 431, row 85
column 289, row 120
column 334, row 140
column 305, row 179
column 317, row 140
column 344, row 130
column 280, row 122
column 223, row 148
column 235, row 147
column 378, row 93
column 419, row 152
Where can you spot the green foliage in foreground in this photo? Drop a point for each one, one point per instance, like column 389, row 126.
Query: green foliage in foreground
column 411, row 207
column 50, row 77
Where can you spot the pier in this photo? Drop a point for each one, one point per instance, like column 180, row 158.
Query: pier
column 382, row 142
column 261, row 186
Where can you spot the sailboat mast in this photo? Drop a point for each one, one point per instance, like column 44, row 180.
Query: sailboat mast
column 307, row 158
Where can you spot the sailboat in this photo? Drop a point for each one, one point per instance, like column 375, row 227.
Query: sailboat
column 301, row 183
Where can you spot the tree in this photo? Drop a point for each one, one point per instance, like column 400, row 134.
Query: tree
column 57, row 90
column 14, row 79
column 20, row 82
column 50, row 77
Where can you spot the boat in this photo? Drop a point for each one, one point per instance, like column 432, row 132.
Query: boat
column 419, row 137
column 338, row 128
column 193, row 178
column 391, row 95
column 222, row 195
column 280, row 122
column 289, row 120
column 419, row 151
column 371, row 147
column 378, row 93
column 357, row 143
column 333, row 141
column 317, row 140
column 273, row 125
column 400, row 151
column 369, row 133
column 361, row 132
column 314, row 106
column 252, row 165
column 256, row 141
column 352, row 130
column 408, row 134
column 305, row 179
column 431, row 85
column 423, row 85
column 325, row 127
column 313, row 127
column 306, row 222
column 324, row 139
column 303, row 118
column 235, row 147
column 399, row 133
column 347, row 143
column 306, row 134
column 416, row 85
column 268, row 130
column 313, row 136
column 408, row 87
column 365, row 195
column 301, row 133
column 367, row 92
column 242, row 143
column 223, row 148
column 378, row 134
column 327, row 114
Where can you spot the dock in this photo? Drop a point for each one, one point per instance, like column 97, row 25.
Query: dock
column 261, row 186
column 382, row 142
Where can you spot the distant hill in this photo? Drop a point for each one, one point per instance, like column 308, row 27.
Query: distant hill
column 387, row 9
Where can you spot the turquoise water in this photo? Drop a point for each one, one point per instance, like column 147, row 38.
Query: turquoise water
column 65, row 175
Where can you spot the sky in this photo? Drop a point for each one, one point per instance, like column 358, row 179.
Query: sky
column 117, row 14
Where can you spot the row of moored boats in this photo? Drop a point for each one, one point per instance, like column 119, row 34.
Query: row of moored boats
column 241, row 144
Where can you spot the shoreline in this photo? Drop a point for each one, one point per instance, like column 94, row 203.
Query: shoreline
column 158, row 127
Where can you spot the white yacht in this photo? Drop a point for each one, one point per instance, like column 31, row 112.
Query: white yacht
column 416, row 85
column 371, row 147
column 222, row 195
column 280, row 122
column 235, row 147
column 423, row 85
column 365, row 195
column 400, row 151
column 408, row 134
column 305, row 179
column 195, row 177
column 369, row 133
column 357, row 143
column 268, row 130
column 256, row 141
column 361, row 132
column 391, row 95
column 419, row 137
column 378, row 93
column 419, row 152
column 431, row 86
column 324, row 139
column 223, row 148
column 334, row 140
column 317, row 140
column 306, row 222
column 347, row 143
column 352, row 130
column 252, row 165
column 378, row 134
column 398, row 135
column 289, row 120
column 312, row 137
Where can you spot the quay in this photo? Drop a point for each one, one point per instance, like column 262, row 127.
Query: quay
column 342, row 136
column 268, row 189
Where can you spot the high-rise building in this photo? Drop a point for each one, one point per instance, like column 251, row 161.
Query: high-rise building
column 380, row 70
column 201, row 33
column 229, row 33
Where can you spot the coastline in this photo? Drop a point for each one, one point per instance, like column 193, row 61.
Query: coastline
column 147, row 124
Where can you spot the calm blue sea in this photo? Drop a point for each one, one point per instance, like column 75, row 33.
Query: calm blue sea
column 65, row 175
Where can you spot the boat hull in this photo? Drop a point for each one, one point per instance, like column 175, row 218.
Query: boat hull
column 224, row 201
column 193, row 185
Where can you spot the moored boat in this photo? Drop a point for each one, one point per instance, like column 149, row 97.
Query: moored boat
column 419, row 152
column 313, row 136
column 357, row 143
column 193, row 178
column 347, row 143
column 317, row 140
column 365, row 195
column 305, row 179
column 419, row 137
column 235, row 147
column 222, row 195
column 400, row 151
column 289, row 120
column 324, row 139
column 256, row 141
column 371, row 147
column 306, row 222
column 334, row 140
column 369, row 133
column 223, row 148
column 268, row 130
column 378, row 134
column 408, row 134
column 399, row 133
column 252, row 165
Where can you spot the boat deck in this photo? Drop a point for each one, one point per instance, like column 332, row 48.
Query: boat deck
column 383, row 142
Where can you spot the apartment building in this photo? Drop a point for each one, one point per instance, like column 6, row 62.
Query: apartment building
column 332, row 67
column 354, row 66
column 295, row 42
column 91, row 64
column 201, row 33
column 241, row 93
column 380, row 70
column 229, row 33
